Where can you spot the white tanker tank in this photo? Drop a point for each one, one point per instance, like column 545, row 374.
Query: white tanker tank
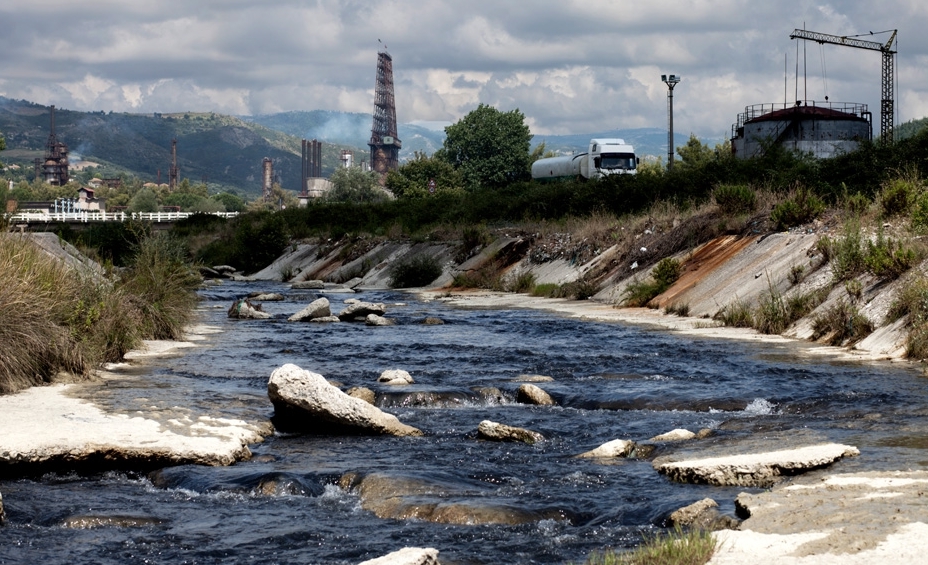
column 605, row 157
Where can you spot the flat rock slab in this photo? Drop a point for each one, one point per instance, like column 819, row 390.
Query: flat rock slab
column 43, row 426
column 754, row 469
column 840, row 519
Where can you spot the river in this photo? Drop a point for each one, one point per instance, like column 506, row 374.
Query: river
column 610, row 381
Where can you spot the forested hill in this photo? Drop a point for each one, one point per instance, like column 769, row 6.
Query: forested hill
column 225, row 150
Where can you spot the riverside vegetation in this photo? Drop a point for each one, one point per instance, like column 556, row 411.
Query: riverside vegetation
column 63, row 322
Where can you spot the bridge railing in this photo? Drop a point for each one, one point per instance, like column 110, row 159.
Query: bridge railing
column 97, row 216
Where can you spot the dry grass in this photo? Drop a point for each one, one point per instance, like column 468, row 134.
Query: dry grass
column 60, row 320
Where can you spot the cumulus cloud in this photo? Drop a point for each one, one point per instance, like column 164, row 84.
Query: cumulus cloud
column 569, row 65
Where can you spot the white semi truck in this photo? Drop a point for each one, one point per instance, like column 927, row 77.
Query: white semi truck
column 605, row 157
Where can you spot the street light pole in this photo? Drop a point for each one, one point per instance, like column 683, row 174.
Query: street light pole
column 671, row 81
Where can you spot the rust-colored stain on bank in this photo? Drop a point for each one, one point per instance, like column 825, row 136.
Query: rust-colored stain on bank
column 701, row 263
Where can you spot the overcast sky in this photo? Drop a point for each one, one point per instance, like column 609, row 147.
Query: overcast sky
column 569, row 66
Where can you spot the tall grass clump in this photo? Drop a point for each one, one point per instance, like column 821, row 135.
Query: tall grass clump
column 161, row 284
column 37, row 294
column 842, row 324
column 665, row 273
column 416, row 271
column 736, row 314
column 912, row 301
column 60, row 318
column 693, row 547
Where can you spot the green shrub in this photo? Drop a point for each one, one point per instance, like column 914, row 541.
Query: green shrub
column 524, row 282
column 898, row 195
column 664, row 274
column 887, row 258
column 846, row 254
column 856, row 203
column 796, row 274
column 546, row 290
column 802, row 208
column 919, row 221
column 488, row 276
column 735, row 199
column 417, row 271
column 842, row 323
column 912, row 301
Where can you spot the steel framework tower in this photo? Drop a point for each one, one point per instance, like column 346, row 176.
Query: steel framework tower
column 385, row 145
column 55, row 165
column 887, row 115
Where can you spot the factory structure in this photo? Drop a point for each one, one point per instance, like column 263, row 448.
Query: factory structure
column 53, row 169
column 384, row 143
column 821, row 129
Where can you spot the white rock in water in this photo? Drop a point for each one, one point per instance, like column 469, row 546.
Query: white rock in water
column 395, row 377
column 614, row 448
column 305, row 402
column 754, row 469
column 316, row 309
column 407, row 556
column 678, row 434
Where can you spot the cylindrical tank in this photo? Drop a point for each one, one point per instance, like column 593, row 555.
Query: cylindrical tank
column 558, row 167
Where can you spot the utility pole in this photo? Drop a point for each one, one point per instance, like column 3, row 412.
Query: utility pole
column 671, row 81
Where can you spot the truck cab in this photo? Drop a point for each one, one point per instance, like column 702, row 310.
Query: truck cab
column 611, row 157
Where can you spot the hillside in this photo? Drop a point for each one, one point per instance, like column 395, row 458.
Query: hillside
column 224, row 150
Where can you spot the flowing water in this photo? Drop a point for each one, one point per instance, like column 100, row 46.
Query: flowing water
column 611, row 381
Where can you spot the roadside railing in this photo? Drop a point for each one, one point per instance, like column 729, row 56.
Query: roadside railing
column 97, row 216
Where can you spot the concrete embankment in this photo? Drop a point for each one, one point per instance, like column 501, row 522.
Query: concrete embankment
column 715, row 275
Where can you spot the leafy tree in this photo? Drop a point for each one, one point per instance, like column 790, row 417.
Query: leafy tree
column 490, row 148
column 695, row 153
column 541, row 152
column 351, row 184
column 412, row 179
column 231, row 202
column 145, row 200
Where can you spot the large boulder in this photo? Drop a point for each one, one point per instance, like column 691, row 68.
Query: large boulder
column 754, row 469
column 531, row 394
column 357, row 310
column 614, row 448
column 407, row 556
column 703, row 514
column 375, row 320
column 316, row 309
column 305, row 402
column 494, row 431
column 243, row 309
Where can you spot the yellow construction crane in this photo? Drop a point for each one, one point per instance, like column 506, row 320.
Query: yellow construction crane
column 886, row 104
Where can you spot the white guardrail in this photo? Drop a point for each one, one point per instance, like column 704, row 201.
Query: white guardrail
column 86, row 217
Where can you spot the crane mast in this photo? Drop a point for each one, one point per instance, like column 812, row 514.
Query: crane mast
column 887, row 102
